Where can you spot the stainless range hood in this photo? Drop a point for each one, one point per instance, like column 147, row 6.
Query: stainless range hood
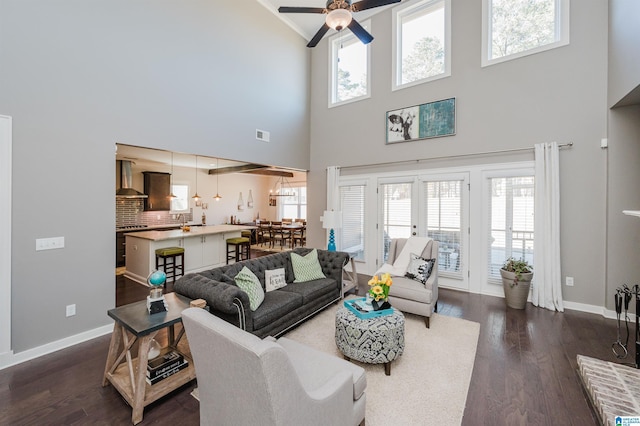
column 126, row 182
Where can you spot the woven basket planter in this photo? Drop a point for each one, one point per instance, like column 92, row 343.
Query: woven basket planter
column 516, row 295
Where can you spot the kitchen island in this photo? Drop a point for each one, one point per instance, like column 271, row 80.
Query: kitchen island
column 204, row 248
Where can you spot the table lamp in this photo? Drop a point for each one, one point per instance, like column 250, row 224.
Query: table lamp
column 330, row 220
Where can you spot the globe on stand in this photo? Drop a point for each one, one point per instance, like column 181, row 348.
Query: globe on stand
column 155, row 300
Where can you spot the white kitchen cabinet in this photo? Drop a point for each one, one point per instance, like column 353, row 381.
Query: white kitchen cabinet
column 204, row 248
column 205, row 251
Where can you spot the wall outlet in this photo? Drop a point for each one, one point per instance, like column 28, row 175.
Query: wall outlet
column 49, row 243
column 569, row 281
column 71, row 310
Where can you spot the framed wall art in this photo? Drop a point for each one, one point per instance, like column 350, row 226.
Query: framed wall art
column 430, row 120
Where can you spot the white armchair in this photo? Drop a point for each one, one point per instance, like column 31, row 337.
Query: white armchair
column 245, row 380
column 412, row 296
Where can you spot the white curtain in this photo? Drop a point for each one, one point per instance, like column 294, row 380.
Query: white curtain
column 547, row 286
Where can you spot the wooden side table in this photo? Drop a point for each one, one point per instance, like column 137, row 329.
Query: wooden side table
column 134, row 325
column 351, row 281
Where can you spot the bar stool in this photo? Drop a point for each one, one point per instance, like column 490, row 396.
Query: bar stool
column 169, row 264
column 240, row 249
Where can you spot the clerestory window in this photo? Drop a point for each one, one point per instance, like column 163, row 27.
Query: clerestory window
column 515, row 28
column 421, row 42
column 349, row 73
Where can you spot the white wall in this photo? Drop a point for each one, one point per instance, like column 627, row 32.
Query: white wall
column 229, row 186
column 77, row 77
column 558, row 95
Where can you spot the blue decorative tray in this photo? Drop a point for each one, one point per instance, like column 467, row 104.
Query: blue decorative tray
column 360, row 309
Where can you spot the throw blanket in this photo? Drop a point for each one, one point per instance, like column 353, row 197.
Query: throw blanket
column 399, row 268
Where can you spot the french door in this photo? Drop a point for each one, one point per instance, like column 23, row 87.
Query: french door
column 434, row 206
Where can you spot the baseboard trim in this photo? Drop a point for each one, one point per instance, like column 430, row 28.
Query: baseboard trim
column 574, row 306
column 582, row 307
column 9, row 359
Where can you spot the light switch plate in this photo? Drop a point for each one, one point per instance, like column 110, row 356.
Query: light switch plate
column 71, row 310
column 49, row 243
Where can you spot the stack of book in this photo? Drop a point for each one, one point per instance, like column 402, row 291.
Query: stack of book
column 168, row 363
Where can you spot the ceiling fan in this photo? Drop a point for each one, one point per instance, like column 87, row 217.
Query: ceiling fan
column 339, row 15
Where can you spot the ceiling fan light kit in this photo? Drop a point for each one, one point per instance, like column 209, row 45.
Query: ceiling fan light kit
column 339, row 15
column 338, row 19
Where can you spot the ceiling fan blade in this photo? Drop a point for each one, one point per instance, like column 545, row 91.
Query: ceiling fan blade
column 287, row 9
column 360, row 32
column 316, row 38
column 370, row 4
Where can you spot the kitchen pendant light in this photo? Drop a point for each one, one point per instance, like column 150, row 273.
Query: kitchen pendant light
column 171, row 194
column 196, row 197
column 217, row 197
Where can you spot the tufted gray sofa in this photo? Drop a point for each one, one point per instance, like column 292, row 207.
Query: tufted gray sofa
column 282, row 308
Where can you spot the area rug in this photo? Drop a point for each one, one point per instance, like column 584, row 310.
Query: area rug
column 428, row 384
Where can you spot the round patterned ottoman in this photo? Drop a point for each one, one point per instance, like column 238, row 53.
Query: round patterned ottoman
column 377, row 340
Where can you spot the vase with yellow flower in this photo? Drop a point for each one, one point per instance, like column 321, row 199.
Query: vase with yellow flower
column 379, row 291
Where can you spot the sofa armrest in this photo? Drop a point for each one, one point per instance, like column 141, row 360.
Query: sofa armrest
column 225, row 300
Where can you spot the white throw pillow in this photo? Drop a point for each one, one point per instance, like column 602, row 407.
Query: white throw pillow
column 274, row 279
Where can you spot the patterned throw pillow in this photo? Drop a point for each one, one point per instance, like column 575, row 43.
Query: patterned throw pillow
column 274, row 279
column 250, row 284
column 419, row 269
column 306, row 268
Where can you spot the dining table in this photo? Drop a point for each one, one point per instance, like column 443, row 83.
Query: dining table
column 288, row 227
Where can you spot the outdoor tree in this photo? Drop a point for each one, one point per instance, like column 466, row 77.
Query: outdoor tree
column 425, row 60
column 519, row 25
column 348, row 89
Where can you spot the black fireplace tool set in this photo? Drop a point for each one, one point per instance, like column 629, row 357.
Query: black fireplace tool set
column 623, row 297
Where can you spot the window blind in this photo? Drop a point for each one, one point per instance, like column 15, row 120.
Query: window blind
column 442, row 209
column 511, row 221
column 351, row 236
column 396, row 206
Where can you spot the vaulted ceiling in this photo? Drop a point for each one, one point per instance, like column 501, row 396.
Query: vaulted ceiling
column 307, row 24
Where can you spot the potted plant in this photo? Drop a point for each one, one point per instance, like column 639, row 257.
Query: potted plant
column 516, row 281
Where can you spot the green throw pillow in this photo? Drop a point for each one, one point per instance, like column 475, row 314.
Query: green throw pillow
column 306, row 268
column 250, row 284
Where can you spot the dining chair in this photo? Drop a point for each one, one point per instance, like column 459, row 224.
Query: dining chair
column 264, row 233
column 279, row 234
column 299, row 237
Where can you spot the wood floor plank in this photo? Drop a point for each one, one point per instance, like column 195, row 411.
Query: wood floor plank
column 524, row 371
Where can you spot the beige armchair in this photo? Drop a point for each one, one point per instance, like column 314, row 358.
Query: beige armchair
column 409, row 295
column 245, row 380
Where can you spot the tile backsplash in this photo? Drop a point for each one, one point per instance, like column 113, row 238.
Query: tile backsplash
column 130, row 211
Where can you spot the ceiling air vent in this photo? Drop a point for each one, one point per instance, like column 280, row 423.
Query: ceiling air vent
column 262, row 135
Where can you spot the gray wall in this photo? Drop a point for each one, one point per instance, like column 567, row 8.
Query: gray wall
column 623, row 232
column 79, row 76
column 624, row 65
column 558, row 95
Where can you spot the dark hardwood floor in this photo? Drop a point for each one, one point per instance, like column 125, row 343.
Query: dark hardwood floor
column 524, row 372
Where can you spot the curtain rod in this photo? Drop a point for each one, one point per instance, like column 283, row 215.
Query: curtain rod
column 502, row 151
